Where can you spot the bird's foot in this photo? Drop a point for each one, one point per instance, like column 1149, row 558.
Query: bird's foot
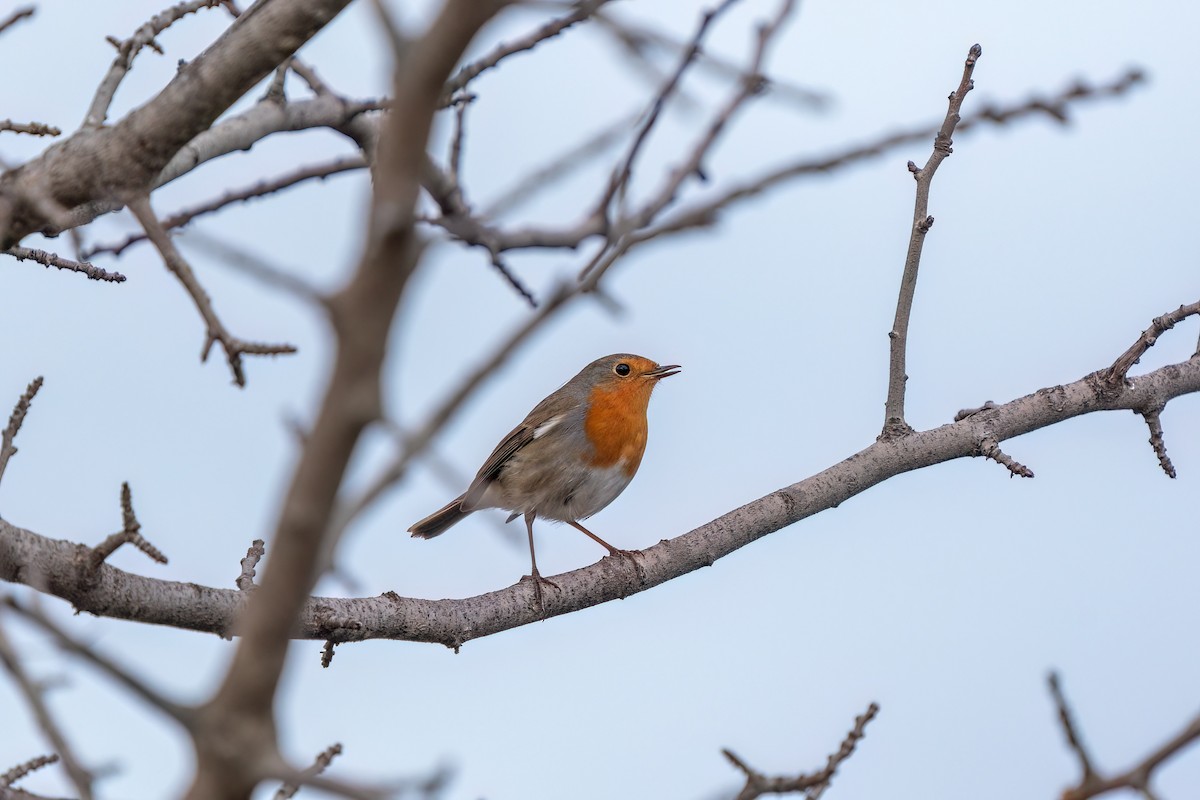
column 538, row 581
column 632, row 557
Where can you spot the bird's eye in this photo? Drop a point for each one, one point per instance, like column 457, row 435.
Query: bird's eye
column 621, row 369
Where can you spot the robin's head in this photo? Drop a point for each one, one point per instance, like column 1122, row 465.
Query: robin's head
column 625, row 372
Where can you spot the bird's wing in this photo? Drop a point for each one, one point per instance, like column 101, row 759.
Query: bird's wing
column 550, row 413
column 518, row 438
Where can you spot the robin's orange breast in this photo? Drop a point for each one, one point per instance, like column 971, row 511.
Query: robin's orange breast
column 615, row 424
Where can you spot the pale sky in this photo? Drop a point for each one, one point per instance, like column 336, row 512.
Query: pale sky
column 944, row 595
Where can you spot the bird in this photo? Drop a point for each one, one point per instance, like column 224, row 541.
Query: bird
column 571, row 456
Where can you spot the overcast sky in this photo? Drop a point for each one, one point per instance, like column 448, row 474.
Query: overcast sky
column 945, row 595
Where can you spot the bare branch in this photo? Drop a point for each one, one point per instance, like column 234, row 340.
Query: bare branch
column 812, row 784
column 122, row 595
column 1092, row 783
column 990, row 448
column 21, row 770
column 704, row 213
column 361, row 314
column 324, row 759
column 416, row 443
column 234, row 347
column 893, row 423
column 15, row 17
column 554, row 27
column 260, row 189
column 255, row 266
column 620, row 178
column 31, row 128
column 1154, row 421
column 118, row 673
column 80, row 777
column 245, row 581
column 127, row 50
column 15, row 420
column 90, row 172
column 1158, row 326
column 638, row 39
column 130, row 533
column 559, row 167
column 52, row 260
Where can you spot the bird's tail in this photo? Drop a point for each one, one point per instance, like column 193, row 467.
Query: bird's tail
column 440, row 520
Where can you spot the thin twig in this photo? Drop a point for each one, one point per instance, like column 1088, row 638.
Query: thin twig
column 52, row 260
column 21, row 770
column 180, row 713
column 1115, row 374
column 15, row 17
column 130, row 533
column 620, row 177
column 241, row 260
column 893, row 422
column 1154, row 421
column 1069, row 730
column 260, row 189
column 813, row 784
column 638, row 39
column 81, row 778
column 234, row 347
column 554, row 27
column 127, row 50
column 705, row 212
column 31, row 128
column 559, row 167
column 15, row 421
column 1138, row 777
column 245, row 580
column 288, row 790
column 990, row 448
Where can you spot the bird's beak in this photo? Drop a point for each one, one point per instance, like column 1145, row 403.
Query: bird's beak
column 658, row 373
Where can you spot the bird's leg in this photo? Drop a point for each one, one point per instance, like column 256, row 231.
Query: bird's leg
column 631, row 555
column 534, row 575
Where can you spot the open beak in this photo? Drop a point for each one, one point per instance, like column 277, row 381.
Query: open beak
column 658, row 373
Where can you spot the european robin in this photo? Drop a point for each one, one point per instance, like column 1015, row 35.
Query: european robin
column 569, row 458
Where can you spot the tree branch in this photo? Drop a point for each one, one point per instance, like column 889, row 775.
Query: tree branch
column 80, row 777
column 123, row 595
column 15, row 420
column 814, row 784
column 893, row 423
column 1138, row 777
column 100, row 165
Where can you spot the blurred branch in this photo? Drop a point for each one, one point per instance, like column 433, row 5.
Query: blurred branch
column 893, row 423
column 35, row 695
column 12, row 19
column 813, row 785
column 1137, row 778
column 109, row 667
column 638, row 40
column 259, row 189
column 554, row 27
column 324, row 759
